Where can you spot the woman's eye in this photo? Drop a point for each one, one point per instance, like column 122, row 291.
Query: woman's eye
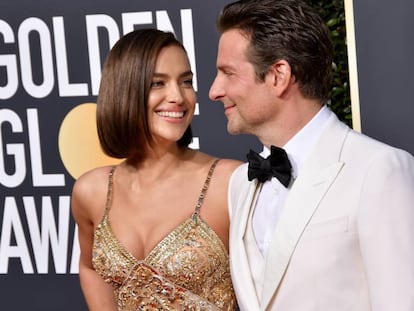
column 188, row 82
column 157, row 83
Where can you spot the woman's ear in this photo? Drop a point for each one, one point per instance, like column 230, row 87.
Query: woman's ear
column 282, row 76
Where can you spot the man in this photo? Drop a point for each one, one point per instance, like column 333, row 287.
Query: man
column 338, row 234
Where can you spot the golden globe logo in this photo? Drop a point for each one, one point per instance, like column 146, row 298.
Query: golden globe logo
column 78, row 141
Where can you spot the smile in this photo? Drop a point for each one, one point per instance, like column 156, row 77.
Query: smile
column 171, row 114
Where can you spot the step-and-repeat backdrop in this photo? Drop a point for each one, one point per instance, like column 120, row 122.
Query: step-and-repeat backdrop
column 51, row 53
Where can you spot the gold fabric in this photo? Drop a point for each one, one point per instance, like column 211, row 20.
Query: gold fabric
column 187, row 270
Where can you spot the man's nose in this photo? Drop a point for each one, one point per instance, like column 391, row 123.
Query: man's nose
column 216, row 91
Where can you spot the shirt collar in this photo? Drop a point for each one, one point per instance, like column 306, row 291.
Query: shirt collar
column 299, row 146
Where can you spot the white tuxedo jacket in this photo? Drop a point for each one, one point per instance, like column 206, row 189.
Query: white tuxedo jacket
column 345, row 238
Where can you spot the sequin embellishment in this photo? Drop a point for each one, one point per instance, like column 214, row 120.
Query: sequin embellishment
column 187, row 270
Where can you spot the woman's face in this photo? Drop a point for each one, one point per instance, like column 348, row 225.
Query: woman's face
column 172, row 99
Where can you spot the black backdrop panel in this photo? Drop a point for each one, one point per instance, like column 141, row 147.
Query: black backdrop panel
column 385, row 48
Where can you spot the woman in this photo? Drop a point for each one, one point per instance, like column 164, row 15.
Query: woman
column 151, row 236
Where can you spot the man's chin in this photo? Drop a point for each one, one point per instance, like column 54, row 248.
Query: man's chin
column 233, row 130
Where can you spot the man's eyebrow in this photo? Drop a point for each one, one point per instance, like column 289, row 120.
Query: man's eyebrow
column 224, row 67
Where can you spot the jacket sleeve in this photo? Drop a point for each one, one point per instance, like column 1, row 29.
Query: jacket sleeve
column 386, row 230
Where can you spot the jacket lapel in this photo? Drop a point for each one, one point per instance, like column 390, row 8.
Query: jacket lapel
column 317, row 174
column 239, row 264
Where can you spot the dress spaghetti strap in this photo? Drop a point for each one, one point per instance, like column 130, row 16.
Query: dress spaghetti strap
column 110, row 190
column 205, row 188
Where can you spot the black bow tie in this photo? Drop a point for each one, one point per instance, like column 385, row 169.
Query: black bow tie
column 276, row 165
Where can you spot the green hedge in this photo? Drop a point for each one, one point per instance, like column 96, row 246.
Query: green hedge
column 333, row 12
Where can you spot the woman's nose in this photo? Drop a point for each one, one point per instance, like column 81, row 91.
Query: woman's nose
column 175, row 94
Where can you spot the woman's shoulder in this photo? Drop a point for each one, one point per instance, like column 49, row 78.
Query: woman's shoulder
column 229, row 165
column 90, row 191
column 224, row 167
column 93, row 179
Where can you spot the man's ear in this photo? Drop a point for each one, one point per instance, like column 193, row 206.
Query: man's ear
column 282, row 76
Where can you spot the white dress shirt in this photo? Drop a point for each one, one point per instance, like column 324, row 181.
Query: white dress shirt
column 273, row 194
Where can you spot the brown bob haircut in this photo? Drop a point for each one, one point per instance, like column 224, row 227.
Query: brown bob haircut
column 121, row 113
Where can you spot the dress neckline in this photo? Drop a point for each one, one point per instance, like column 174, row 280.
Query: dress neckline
column 192, row 221
column 194, row 218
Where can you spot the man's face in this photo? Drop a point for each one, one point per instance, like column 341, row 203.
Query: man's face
column 248, row 102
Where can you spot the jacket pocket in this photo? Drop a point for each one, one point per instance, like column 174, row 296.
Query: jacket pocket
column 326, row 228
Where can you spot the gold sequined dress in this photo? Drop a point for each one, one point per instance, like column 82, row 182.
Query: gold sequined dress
column 187, row 270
